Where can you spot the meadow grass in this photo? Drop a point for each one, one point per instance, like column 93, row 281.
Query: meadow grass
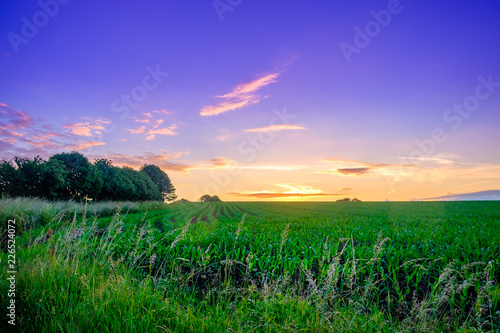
column 262, row 267
column 34, row 212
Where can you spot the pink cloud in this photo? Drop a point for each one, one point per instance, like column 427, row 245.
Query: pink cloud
column 151, row 127
column 163, row 131
column 11, row 140
column 354, row 171
column 276, row 128
column 24, row 136
column 139, row 130
column 227, row 106
column 163, row 160
column 88, row 128
column 241, row 96
column 251, row 87
column 86, row 145
column 358, row 168
column 13, row 121
column 276, row 195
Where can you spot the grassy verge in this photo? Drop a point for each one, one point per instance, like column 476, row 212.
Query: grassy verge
column 122, row 274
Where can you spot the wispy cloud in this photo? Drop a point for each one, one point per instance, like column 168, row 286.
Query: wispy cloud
column 436, row 169
column 151, row 134
column 147, row 117
column 215, row 163
column 441, row 159
column 139, row 130
column 12, row 123
column 227, row 106
column 241, row 96
column 164, row 160
column 276, row 195
column 358, row 168
column 294, row 191
column 275, row 167
column 220, row 162
column 22, row 135
column 225, row 163
column 86, row 145
column 354, row 171
column 482, row 195
column 276, row 128
column 251, row 87
column 88, row 128
column 152, row 126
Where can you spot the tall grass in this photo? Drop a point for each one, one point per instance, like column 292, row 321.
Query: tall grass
column 32, row 212
column 130, row 277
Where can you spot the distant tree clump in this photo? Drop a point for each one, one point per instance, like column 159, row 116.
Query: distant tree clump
column 349, row 200
column 72, row 176
column 208, row 198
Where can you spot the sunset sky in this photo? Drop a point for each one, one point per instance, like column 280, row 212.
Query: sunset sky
column 261, row 100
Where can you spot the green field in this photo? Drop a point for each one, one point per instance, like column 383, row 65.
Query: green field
column 256, row 267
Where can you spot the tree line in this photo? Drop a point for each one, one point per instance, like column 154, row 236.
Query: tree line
column 71, row 175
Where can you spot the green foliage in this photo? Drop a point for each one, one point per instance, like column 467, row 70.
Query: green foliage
column 161, row 180
column 55, row 179
column 265, row 267
column 70, row 176
column 35, row 177
column 144, row 188
column 9, row 178
column 208, row 198
column 124, row 183
column 82, row 178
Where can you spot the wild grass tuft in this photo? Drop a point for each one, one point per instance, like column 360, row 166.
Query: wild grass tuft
column 156, row 271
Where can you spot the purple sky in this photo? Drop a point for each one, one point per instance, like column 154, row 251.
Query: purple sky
column 362, row 107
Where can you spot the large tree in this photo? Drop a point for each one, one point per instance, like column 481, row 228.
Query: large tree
column 30, row 175
column 83, row 181
column 54, row 179
column 9, row 178
column 162, row 181
column 117, row 183
column 144, row 188
column 72, row 176
column 105, row 171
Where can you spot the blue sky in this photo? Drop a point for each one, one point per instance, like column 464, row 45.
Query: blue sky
column 354, row 120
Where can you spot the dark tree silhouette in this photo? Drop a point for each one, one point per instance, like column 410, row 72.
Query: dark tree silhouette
column 72, row 176
column 82, row 177
column 54, row 180
column 161, row 180
column 208, row 198
column 9, row 178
